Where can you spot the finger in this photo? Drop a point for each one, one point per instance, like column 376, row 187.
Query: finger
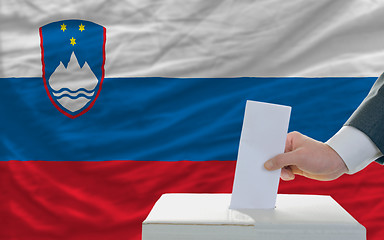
column 296, row 170
column 291, row 138
column 287, row 174
column 282, row 160
column 289, row 142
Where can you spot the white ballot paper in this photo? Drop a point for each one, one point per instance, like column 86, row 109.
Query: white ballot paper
column 263, row 136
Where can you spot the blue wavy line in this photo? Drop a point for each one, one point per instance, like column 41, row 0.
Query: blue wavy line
column 74, row 97
column 69, row 90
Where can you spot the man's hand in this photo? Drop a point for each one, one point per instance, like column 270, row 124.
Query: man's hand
column 307, row 157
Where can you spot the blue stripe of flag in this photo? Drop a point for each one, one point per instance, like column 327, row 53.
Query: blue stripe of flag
column 165, row 119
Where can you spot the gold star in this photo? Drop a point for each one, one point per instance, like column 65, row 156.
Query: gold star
column 81, row 27
column 63, row 27
column 73, row 41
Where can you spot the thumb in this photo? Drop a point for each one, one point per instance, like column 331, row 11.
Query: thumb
column 281, row 160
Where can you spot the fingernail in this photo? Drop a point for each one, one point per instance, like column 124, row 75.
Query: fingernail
column 285, row 176
column 268, row 165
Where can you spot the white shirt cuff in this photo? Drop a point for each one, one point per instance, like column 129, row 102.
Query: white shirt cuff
column 355, row 148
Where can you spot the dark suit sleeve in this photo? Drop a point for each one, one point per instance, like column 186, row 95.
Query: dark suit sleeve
column 369, row 116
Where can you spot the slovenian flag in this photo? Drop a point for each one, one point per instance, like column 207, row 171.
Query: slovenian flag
column 106, row 105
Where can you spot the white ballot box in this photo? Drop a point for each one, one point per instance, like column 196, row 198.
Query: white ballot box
column 208, row 217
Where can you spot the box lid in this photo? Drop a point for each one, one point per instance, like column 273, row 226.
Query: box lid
column 292, row 211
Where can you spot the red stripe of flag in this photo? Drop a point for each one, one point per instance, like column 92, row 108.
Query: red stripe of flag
column 110, row 199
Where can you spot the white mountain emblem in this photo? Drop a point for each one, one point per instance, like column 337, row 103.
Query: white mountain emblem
column 73, row 86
